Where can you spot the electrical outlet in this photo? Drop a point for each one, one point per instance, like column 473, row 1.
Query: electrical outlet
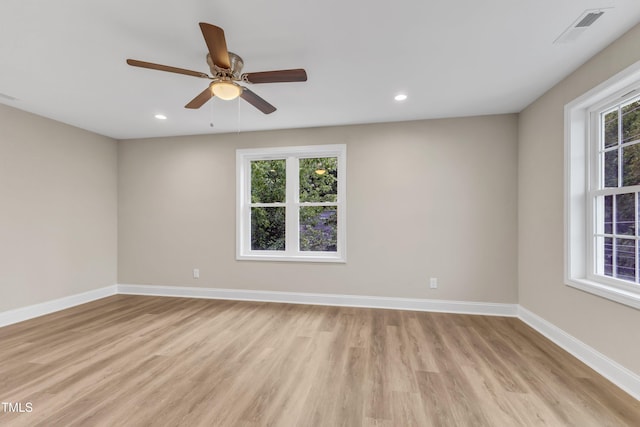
column 196, row 273
column 433, row 282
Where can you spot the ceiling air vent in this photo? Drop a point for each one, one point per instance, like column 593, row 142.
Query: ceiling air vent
column 579, row 26
column 589, row 19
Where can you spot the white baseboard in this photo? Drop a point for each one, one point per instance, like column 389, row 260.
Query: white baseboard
column 37, row 310
column 460, row 307
column 613, row 371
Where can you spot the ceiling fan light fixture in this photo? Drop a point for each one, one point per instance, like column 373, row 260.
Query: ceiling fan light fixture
column 226, row 70
column 226, row 90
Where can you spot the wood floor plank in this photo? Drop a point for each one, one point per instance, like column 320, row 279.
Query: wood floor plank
column 408, row 409
column 377, row 406
column 138, row 361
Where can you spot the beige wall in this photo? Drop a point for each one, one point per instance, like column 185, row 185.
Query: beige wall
column 427, row 198
column 610, row 328
column 58, row 218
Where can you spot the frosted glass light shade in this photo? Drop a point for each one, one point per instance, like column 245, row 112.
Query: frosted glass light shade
column 226, row 90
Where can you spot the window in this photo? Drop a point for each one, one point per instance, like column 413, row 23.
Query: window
column 602, row 189
column 291, row 203
column 616, row 190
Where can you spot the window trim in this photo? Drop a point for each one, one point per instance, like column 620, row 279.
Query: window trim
column 243, row 202
column 579, row 178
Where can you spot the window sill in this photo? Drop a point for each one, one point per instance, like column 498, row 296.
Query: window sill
column 606, row 291
column 285, row 258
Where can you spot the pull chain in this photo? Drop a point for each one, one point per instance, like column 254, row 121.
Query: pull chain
column 211, row 114
column 238, row 115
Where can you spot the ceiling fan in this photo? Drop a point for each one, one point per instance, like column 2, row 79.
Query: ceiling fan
column 226, row 71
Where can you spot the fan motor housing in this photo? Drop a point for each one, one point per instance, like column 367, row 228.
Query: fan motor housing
column 234, row 72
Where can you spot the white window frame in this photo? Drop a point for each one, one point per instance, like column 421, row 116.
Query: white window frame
column 581, row 185
column 292, row 203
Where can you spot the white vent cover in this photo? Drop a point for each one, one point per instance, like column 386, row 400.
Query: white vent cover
column 579, row 26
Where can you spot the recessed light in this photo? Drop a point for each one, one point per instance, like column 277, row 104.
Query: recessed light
column 400, row 97
column 160, row 117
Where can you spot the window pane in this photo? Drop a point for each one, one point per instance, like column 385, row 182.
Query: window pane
column 626, row 259
column 638, row 213
column 611, row 168
column 318, row 228
column 608, row 256
column 611, row 129
column 608, row 214
column 268, row 229
column 268, row 181
column 625, row 214
column 631, row 165
column 631, row 122
column 319, row 179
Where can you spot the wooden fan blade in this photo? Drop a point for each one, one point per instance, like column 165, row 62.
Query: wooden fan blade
column 279, row 76
column 159, row 67
column 257, row 101
column 216, row 43
column 200, row 100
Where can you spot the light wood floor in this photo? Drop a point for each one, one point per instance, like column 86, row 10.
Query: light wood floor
column 129, row 361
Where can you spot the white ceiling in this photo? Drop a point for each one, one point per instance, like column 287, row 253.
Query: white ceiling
column 65, row 59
